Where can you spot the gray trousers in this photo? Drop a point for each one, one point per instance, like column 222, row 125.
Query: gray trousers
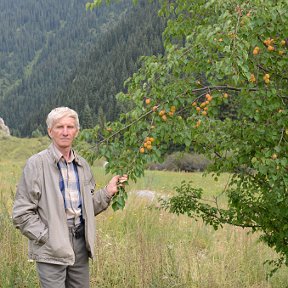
column 68, row 276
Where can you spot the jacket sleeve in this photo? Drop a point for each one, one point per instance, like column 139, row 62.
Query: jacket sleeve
column 101, row 201
column 25, row 210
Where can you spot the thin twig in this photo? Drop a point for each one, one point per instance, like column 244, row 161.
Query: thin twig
column 282, row 135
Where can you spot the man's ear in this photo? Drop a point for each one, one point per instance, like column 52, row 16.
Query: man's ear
column 49, row 132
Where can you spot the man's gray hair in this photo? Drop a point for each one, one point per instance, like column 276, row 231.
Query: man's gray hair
column 60, row 112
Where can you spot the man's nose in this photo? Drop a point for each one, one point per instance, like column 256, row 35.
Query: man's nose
column 65, row 131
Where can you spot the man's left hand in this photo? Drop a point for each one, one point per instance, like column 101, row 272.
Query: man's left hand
column 116, row 182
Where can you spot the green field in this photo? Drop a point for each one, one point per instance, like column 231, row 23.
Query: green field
column 142, row 246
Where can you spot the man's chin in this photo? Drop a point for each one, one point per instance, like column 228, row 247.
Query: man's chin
column 65, row 144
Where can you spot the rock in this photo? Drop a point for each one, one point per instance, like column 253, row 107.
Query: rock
column 3, row 128
column 149, row 195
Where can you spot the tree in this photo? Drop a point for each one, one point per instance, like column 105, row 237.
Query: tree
column 101, row 118
column 217, row 53
column 87, row 119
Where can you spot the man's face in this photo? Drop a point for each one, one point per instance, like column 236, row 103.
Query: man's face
column 63, row 132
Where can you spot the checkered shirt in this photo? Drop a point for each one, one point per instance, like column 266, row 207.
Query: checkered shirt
column 70, row 188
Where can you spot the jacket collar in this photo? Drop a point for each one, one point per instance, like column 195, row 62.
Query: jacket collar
column 56, row 155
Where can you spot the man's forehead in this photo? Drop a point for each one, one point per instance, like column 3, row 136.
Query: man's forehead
column 64, row 120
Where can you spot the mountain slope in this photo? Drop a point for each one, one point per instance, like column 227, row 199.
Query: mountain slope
column 78, row 58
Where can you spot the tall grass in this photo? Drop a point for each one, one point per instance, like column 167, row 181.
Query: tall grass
column 143, row 246
column 146, row 247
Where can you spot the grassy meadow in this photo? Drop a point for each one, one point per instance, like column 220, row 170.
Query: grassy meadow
column 141, row 246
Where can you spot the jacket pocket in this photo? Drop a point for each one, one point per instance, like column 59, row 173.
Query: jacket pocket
column 43, row 237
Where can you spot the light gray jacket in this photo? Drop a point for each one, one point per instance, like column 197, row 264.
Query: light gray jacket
column 39, row 208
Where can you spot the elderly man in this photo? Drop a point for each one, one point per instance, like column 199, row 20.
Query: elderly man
column 56, row 203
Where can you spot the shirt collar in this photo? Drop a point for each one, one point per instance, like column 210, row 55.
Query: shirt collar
column 58, row 155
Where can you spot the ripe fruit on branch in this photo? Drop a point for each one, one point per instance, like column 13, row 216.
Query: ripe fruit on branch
column 268, row 41
column 172, row 108
column 266, row 78
column 154, row 108
column 256, row 50
column 225, row 95
column 149, row 147
column 147, row 144
column 148, row 101
column 162, row 112
column 274, row 156
column 198, row 123
column 252, row 78
column 270, row 48
column 208, row 97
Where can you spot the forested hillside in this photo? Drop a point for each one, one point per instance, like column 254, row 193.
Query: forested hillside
column 57, row 53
